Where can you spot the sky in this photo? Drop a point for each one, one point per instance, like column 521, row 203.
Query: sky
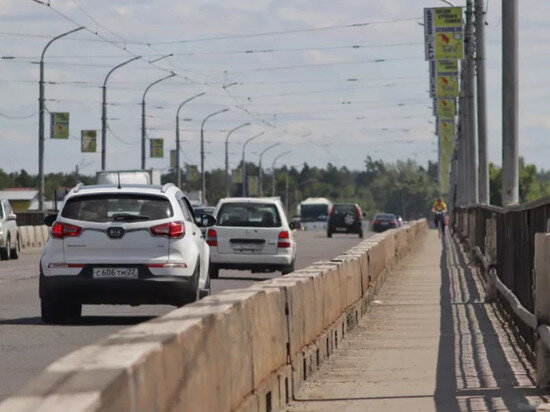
column 330, row 81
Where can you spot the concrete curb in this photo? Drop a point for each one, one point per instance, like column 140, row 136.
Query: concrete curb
column 245, row 349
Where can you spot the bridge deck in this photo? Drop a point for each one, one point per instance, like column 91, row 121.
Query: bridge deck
column 429, row 343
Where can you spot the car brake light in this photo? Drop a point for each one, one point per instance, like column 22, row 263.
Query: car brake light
column 167, row 265
column 284, row 239
column 331, row 212
column 62, row 230
column 376, row 222
column 171, row 230
column 359, row 216
column 211, row 237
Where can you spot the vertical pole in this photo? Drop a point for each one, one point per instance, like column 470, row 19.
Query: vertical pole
column 203, row 177
column 273, row 181
column 470, row 98
column 143, row 134
column 178, row 168
column 260, row 179
column 286, row 191
column 227, row 179
column 510, row 166
column 104, row 127
column 243, row 166
column 41, row 138
column 484, row 194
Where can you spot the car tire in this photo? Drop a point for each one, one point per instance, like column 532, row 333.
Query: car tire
column 214, row 272
column 194, row 294
column 56, row 311
column 287, row 269
column 361, row 234
column 5, row 251
column 329, row 233
column 14, row 253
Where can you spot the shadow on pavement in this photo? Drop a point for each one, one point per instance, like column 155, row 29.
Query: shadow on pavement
column 84, row 321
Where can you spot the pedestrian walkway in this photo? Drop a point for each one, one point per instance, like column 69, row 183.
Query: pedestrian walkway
column 428, row 343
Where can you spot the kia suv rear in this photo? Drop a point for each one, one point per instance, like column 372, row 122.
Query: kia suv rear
column 134, row 244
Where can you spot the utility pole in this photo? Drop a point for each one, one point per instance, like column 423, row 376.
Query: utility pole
column 286, row 189
column 203, row 175
column 510, row 163
column 104, row 113
column 243, row 164
column 227, row 179
column 273, row 171
column 178, row 168
column 470, row 118
column 41, row 110
column 261, row 174
column 143, row 124
column 484, row 194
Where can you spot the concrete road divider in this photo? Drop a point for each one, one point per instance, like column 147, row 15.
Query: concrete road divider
column 244, row 349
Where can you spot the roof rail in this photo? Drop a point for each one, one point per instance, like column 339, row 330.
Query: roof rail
column 78, row 187
column 166, row 187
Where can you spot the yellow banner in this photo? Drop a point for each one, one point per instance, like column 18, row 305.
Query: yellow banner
column 446, row 108
column 446, row 127
column 446, row 86
column 88, row 141
column 252, row 185
column 193, row 173
column 157, row 148
column 443, row 31
column 237, row 175
column 59, row 125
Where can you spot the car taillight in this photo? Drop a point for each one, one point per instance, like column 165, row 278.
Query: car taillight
column 212, row 237
column 61, row 230
column 395, row 222
column 172, row 230
column 376, row 222
column 284, row 239
column 359, row 216
column 331, row 212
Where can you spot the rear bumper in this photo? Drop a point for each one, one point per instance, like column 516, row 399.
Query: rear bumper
column 250, row 261
column 382, row 228
column 345, row 229
column 147, row 289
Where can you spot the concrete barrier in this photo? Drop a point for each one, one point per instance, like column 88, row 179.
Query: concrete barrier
column 23, row 237
column 245, row 349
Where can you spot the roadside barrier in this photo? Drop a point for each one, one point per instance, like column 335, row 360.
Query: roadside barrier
column 33, row 236
column 243, row 350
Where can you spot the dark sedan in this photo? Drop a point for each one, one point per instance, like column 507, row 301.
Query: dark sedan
column 384, row 221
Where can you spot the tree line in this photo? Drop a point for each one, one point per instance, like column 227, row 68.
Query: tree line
column 404, row 187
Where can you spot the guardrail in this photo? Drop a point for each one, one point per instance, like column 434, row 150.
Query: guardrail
column 516, row 263
column 245, row 349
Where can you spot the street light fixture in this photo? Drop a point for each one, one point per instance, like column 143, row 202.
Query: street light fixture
column 273, row 170
column 227, row 182
column 41, row 109
column 243, row 164
column 178, row 169
column 203, row 176
column 104, row 113
column 143, row 126
column 260, row 179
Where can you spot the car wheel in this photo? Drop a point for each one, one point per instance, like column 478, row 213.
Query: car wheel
column 329, row 233
column 5, row 251
column 14, row 253
column 55, row 311
column 214, row 272
column 288, row 269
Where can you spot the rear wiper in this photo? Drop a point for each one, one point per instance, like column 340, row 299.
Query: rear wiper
column 127, row 216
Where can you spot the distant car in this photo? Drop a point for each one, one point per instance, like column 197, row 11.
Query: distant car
column 384, row 221
column 9, row 237
column 251, row 234
column 201, row 211
column 135, row 244
column 345, row 218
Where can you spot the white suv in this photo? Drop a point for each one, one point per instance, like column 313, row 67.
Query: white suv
column 9, row 237
column 135, row 244
column 251, row 234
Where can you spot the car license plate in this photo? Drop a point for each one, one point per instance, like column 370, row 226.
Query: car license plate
column 115, row 273
column 247, row 246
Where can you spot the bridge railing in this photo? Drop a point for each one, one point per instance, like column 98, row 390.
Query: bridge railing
column 505, row 240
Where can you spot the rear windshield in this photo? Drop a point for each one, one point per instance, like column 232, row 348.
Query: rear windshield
column 345, row 209
column 385, row 216
column 117, row 208
column 249, row 215
column 314, row 212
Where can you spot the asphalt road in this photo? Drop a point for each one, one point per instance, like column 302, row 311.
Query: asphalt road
column 27, row 346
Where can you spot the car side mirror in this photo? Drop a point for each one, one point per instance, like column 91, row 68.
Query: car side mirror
column 13, row 216
column 208, row 221
column 48, row 220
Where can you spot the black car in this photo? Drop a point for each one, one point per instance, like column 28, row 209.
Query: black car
column 384, row 221
column 345, row 218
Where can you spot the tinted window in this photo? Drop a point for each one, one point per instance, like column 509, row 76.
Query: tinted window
column 249, row 214
column 117, row 207
column 345, row 209
column 314, row 212
column 385, row 216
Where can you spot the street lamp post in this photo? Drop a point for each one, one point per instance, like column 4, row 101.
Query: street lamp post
column 143, row 126
column 203, row 176
column 243, row 164
column 104, row 113
column 41, row 110
column 178, row 169
column 273, row 171
column 227, row 180
column 260, row 179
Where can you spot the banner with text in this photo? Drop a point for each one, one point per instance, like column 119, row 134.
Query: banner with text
column 157, row 148
column 59, row 125
column 192, row 174
column 88, row 141
column 443, row 33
